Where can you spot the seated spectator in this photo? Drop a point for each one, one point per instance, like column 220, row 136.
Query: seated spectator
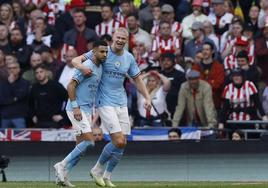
column 47, row 101
column 29, row 75
column 7, row 16
column 10, row 58
column 3, row 67
column 174, row 134
column 165, row 42
column 66, row 72
column 125, row 8
column 156, row 11
column 211, row 71
column 196, row 15
column 253, row 20
column 14, row 98
column 176, row 78
column 195, row 99
column 198, row 40
column 237, row 136
column 157, row 86
column 241, row 102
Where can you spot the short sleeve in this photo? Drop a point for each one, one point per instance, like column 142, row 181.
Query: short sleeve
column 88, row 55
column 78, row 76
column 252, row 88
column 134, row 70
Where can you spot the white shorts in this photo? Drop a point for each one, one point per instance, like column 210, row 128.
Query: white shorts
column 83, row 126
column 114, row 119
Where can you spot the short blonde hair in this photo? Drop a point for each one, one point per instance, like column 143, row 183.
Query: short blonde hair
column 122, row 29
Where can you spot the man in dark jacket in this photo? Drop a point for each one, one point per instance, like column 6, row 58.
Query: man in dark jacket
column 13, row 98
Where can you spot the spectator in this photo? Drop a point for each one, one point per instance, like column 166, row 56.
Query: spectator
column 241, row 102
column 250, row 72
column 6, row 16
column 168, row 15
column 261, row 52
column 174, row 134
column 47, row 101
column 3, row 67
column 156, row 11
column 20, row 49
column 230, row 62
column 18, row 9
column 195, row 96
column 165, row 42
column 229, row 37
column 197, row 42
column 211, row 71
column 196, row 16
column 108, row 24
column 4, row 44
column 146, row 15
column 10, row 58
column 80, row 36
column 97, row 134
column 42, row 33
column 209, row 33
column 14, row 98
column 219, row 18
column 136, row 33
column 66, row 72
column 237, row 136
column 157, row 86
column 176, row 78
column 253, row 19
column 29, row 75
column 125, row 8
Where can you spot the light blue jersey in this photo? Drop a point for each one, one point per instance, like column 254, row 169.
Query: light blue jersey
column 87, row 87
column 111, row 91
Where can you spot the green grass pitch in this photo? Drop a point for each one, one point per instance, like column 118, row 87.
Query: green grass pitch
column 142, row 185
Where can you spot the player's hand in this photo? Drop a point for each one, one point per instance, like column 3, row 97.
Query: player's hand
column 57, row 118
column 77, row 114
column 148, row 105
column 86, row 71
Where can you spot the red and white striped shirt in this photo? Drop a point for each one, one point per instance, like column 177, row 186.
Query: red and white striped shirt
column 51, row 10
column 165, row 46
column 121, row 18
column 239, row 98
column 230, row 62
column 107, row 28
column 176, row 28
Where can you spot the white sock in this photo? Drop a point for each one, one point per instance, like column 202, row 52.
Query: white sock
column 107, row 175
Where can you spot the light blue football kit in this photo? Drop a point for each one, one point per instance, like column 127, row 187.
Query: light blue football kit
column 85, row 96
column 111, row 101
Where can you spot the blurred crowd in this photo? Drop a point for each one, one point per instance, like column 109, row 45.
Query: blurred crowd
column 204, row 62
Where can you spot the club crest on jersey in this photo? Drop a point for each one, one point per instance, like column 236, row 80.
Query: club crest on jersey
column 117, row 64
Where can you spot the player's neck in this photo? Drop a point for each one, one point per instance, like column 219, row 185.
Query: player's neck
column 117, row 51
column 96, row 61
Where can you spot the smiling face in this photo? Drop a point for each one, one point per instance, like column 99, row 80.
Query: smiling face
column 120, row 38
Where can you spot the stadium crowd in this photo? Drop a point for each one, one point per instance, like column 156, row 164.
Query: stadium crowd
column 203, row 61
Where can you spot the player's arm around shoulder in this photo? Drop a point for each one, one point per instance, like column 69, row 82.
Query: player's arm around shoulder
column 77, row 62
column 71, row 88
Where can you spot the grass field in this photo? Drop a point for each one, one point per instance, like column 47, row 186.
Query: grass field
column 141, row 185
